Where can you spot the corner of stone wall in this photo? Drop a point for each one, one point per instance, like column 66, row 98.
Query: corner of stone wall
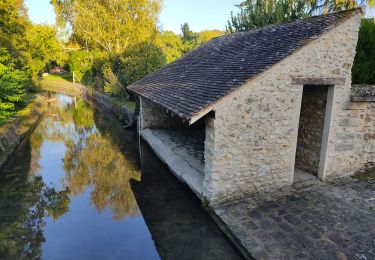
column 154, row 116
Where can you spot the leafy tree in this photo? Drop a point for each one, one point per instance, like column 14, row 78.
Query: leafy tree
column 43, row 47
column 110, row 25
column 137, row 62
column 189, row 38
column 257, row 13
column 171, row 45
column 14, row 72
column 12, row 85
column 364, row 62
column 206, row 35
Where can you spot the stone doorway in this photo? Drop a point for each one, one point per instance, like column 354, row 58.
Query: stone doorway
column 310, row 131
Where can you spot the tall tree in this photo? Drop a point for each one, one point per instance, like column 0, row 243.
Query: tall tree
column 364, row 62
column 43, row 47
column 189, row 38
column 257, row 13
column 110, row 25
column 14, row 72
column 171, row 45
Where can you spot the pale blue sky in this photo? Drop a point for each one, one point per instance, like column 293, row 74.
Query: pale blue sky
column 200, row 14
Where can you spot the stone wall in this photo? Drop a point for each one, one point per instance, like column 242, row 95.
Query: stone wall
column 13, row 133
column 251, row 143
column 153, row 116
column 310, row 130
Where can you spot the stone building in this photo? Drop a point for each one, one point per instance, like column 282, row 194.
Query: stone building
column 253, row 111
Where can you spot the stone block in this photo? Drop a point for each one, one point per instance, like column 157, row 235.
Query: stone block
column 350, row 122
column 344, row 147
column 354, row 106
column 370, row 136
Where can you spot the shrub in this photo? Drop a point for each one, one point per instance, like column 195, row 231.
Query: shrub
column 12, row 85
column 364, row 62
column 137, row 62
column 88, row 67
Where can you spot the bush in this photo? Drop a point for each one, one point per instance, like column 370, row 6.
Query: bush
column 138, row 62
column 364, row 62
column 88, row 67
column 12, row 85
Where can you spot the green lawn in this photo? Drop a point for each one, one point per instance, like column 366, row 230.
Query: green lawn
column 368, row 175
column 60, row 77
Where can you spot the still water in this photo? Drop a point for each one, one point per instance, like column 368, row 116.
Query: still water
column 78, row 188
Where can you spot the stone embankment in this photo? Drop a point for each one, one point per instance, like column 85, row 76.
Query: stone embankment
column 14, row 132
column 104, row 101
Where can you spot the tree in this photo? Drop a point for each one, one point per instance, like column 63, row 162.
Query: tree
column 189, row 38
column 206, row 35
column 171, row 45
column 257, row 13
column 137, row 62
column 12, row 84
column 14, row 60
column 43, row 47
column 110, row 25
column 364, row 62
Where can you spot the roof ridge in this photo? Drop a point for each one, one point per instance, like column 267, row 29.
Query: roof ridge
column 352, row 10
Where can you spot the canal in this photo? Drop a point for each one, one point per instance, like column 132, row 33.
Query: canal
column 77, row 188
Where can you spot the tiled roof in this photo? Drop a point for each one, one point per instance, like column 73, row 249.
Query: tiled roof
column 203, row 76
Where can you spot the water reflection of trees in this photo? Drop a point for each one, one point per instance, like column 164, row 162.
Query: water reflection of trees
column 91, row 158
column 92, row 161
column 24, row 203
column 100, row 164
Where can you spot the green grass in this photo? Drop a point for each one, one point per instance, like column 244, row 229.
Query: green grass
column 367, row 175
column 60, row 77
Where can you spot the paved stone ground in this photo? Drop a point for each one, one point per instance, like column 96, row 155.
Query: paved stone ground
column 188, row 142
column 322, row 221
column 182, row 150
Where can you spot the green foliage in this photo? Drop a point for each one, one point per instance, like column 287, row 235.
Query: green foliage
column 171, row 45
column 44, row 47
column 174, row 46
column 257, row 13
column 189, row 38
column 364, row 62
column 137, row 62
column 206, row 35
column 87, row 66
column 12, row 85
column 109, row 25
column 14, row 73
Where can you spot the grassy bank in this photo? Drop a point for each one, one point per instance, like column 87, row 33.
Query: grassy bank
column 65, row 81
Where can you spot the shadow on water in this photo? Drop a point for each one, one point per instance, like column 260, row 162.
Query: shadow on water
column 77, row 189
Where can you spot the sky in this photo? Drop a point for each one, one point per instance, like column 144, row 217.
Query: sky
column 200, row 14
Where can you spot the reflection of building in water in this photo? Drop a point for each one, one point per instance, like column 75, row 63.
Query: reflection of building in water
column 178, row 224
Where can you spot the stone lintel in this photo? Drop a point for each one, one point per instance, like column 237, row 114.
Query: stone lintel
column 362, row 99
column 318, row 81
